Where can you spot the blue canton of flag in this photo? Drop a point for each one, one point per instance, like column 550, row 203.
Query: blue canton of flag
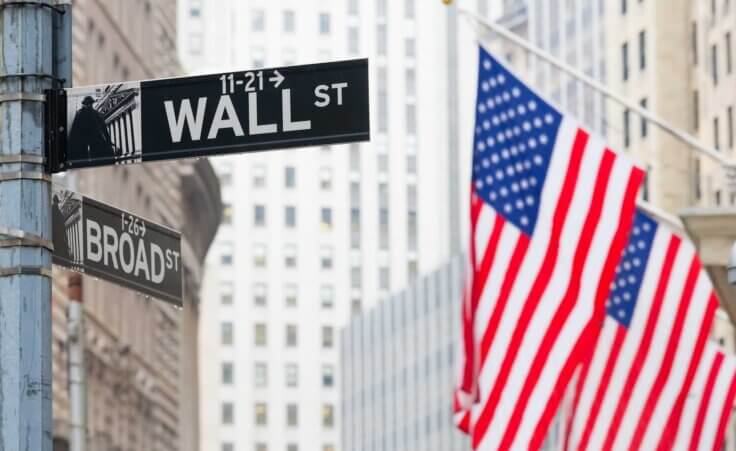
column 514, row 138
column 630, row 271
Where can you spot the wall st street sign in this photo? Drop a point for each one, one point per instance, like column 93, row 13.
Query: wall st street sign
column 217, row 114
column 96, row 239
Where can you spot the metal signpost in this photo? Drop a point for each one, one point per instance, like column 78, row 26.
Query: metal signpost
column 207, row 115
column 96, row 239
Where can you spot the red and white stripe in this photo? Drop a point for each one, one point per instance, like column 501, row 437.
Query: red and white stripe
column 709, row 404
column 534, row 299
column 634, row 388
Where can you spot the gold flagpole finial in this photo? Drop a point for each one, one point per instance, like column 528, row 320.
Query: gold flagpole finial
column 447, row 2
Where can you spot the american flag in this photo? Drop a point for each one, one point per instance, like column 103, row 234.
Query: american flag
column 709, row 405
column 633, row 390
column 550, row 209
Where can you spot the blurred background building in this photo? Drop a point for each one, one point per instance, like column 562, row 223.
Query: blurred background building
column 311, row 237
column 142, row 354
column 399, row 362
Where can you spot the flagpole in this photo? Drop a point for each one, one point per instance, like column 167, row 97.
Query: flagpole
column 633, row 106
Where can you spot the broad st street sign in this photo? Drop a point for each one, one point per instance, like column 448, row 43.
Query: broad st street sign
column 96, row 239
column 233, row 112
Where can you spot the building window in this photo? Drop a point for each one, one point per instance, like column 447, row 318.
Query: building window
column 289, row 177
column 325, row 179
column 228, row 446
column 292, row 339
column 227, row 373
column 696, row 109
column 729, row 114
column 259, row 215
column 325, row 219
column 227, row 413
column 353, row 7
column 328, row 339
column 355, row 157
column 290, row 295
column 381, row 39
column 409, row 9
column 625, row 60
column 411, row 119
column 328, row 415
column 642, row 49
column 326, row 257
column 226, row 293
column 227, row 213
column 646, row 184
column 644, row 128
column 714, row 63
column 290, row 216
column 355, row 228
column 327, row 296
column 292, row 415
column 627, row 128
column 226, row 333
column 292, row 375
column 356, row 306
column 289, row 21
column 259, row 255
column 411, row 82
column 717, row 196
column 292, row 447
column 260, row 337
column 328, row 376
column 260, row 375
column 261, row 414
column 226, row 258
column 260, row 294
column 716, row 134
column 261, row 447
column 258, row 20
column 694, row 43
column 384, row 278
column 290, row 256
column 356, row 277
column 410, row 48
column 259, row 176
column 353, row 40
column 729, row 54
column 697, row 181
column 624, row 6
column 324, row 23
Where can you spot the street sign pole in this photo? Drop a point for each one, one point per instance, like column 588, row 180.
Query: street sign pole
column 27, row 64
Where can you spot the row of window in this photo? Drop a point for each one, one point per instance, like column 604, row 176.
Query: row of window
column 290, row 255
column 291, row 375
column 714, row 52
column 259, row 177
column 292, row 414
column 288, row 21
column 290, row 220
column 260, row 335
column 260, row 296
column 229, row 446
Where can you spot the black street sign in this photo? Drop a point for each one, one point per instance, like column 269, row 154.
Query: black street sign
column 218, row 114
column 96, row 239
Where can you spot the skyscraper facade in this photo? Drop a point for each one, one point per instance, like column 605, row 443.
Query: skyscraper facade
column 312, row 236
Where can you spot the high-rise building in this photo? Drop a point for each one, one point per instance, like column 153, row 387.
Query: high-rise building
column 399, row 363
column 313, row 235
column 141, row 354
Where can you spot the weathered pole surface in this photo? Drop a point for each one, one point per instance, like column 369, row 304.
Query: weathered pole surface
column 26, row 69
column 77, row 384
